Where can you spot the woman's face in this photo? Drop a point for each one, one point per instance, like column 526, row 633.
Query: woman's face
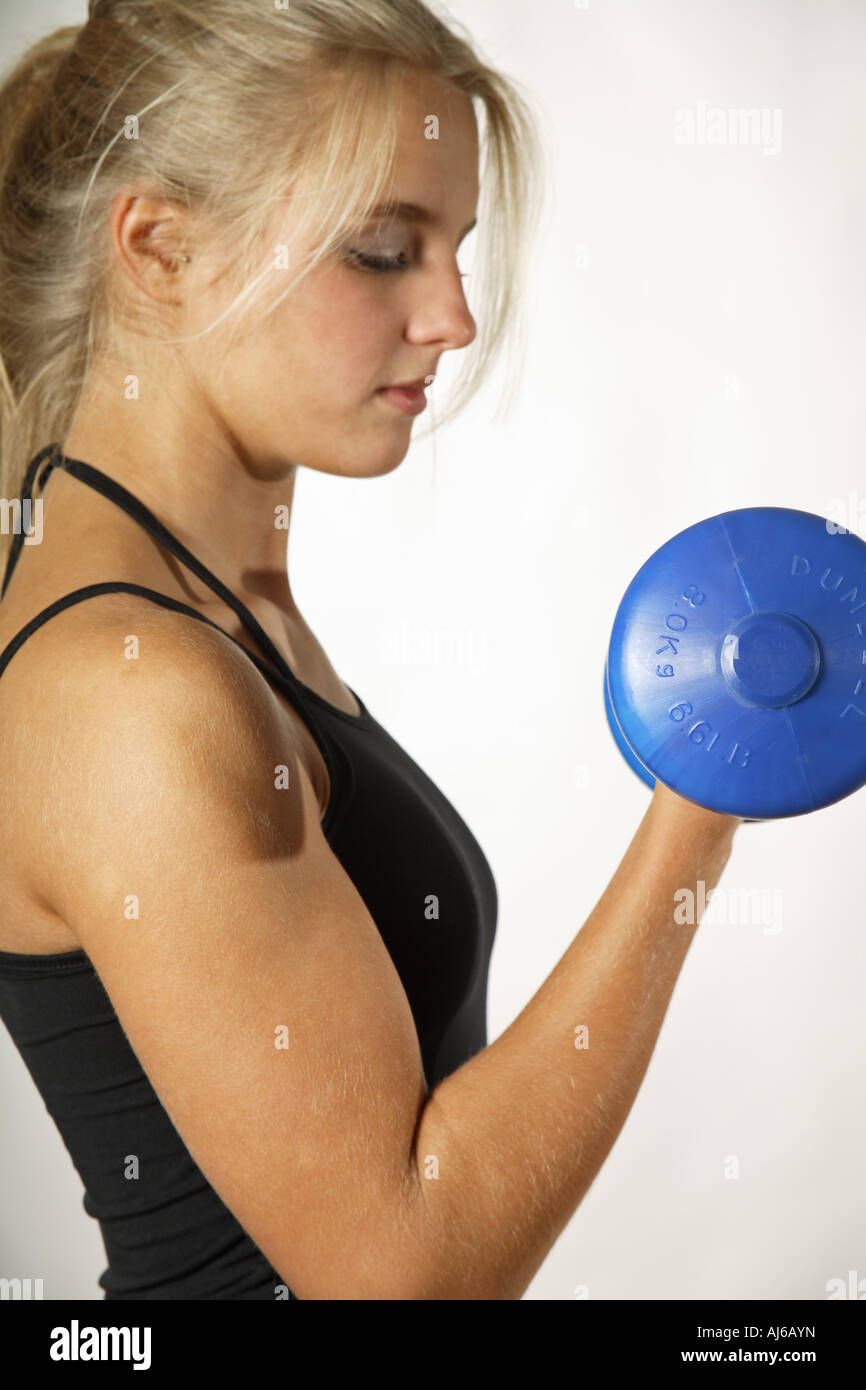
column 304, row 387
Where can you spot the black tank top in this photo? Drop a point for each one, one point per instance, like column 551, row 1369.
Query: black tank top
column 169, row 1235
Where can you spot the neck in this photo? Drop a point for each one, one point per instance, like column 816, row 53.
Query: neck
column 209, row 497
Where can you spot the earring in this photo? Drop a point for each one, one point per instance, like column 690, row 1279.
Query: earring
column 185, row 258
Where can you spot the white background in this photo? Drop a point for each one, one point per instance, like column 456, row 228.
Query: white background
column 696, row 344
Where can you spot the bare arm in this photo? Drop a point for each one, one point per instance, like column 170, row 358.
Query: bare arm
column 153, row 781
column 519, row 1132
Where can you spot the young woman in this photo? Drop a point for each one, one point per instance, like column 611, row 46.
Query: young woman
column 245, row 941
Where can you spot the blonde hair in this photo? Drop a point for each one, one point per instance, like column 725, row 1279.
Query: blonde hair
column 231, row 102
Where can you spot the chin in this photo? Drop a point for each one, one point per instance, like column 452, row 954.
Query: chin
column 382, row 458
column 355, row 460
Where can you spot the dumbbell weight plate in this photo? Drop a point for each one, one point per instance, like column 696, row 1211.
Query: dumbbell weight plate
column 736, row 670
column 634, row 763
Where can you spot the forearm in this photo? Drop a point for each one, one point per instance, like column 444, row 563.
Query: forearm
column 507, row 1146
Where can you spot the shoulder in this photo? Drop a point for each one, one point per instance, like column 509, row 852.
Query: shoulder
column 115, row 701
column 119, row 641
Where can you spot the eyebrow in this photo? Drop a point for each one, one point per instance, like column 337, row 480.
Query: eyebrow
column 413, row 212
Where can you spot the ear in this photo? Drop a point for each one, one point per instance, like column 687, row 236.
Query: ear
column 149, row 236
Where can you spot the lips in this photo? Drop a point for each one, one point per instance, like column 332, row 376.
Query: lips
column 410, row 399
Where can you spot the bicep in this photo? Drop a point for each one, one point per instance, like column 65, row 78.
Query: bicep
column 247, row 974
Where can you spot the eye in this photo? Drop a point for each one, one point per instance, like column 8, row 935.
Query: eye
column 371, row 262
column 377, row 261
column 360, row 258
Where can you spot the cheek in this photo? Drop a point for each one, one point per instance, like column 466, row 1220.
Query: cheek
column 345, row 329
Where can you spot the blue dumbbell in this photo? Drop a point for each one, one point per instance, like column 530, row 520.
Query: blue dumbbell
column 736, row 670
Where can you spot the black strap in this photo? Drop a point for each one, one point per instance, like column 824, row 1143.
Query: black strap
column 26, row 492
column 114, row 586
column 129, row 503
column 279, row 668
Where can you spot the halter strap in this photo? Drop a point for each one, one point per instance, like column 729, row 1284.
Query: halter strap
column 26, row 493
column 129, row 503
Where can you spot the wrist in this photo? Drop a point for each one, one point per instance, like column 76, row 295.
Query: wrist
column 669, row 806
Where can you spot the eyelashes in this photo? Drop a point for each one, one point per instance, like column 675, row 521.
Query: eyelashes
column 371, row 262
column 382, row 263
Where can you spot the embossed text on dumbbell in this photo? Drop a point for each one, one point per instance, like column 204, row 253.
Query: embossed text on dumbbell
column 802, row 565
column 688, row 708
column 677, row 623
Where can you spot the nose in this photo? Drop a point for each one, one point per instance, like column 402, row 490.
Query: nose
column 440, row 313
